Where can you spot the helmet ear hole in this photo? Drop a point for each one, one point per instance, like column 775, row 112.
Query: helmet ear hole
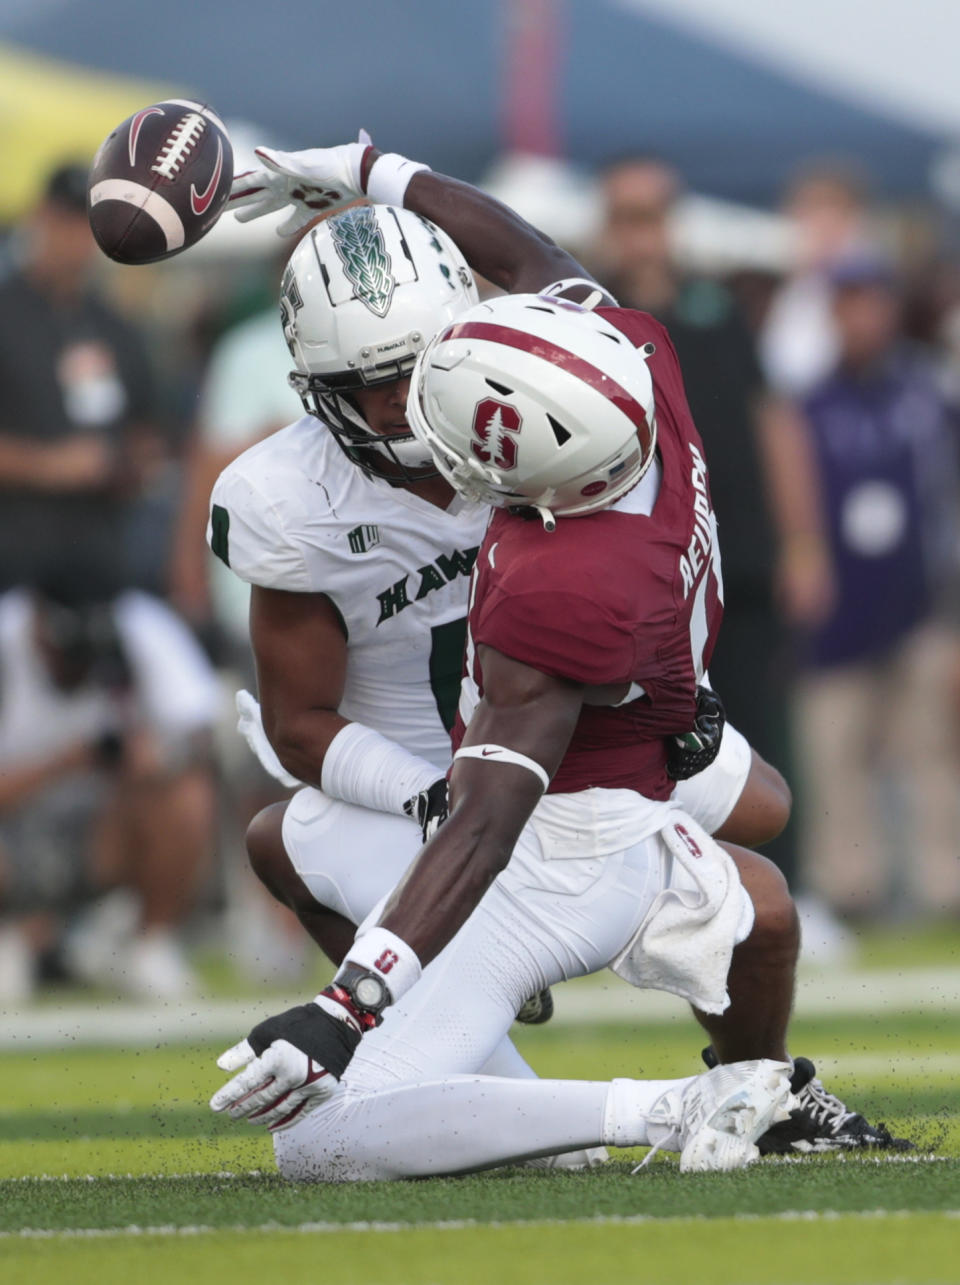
column 560, row 433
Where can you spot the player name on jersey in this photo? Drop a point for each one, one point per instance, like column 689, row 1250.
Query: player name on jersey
column 703, row 541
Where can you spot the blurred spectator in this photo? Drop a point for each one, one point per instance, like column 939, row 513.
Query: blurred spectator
column 879, row 727
column 761, row 476
column 75, row 401
column 827, row 206
column 106, row 710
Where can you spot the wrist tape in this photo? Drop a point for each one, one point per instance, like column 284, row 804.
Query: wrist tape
column 382, row 952
column 389, row 176
column 500, row 754
column 363, row 767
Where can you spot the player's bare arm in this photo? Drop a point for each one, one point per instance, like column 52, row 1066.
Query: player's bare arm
column 524, row 712
column 290, row 1063
column 299, row 700
column 496, row 242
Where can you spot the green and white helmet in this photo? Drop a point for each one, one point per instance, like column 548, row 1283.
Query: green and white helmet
column 364, row 292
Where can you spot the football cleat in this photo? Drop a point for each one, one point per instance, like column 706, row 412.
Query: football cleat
column 715, row 1119
column 819, row 1121
column 538, row 1008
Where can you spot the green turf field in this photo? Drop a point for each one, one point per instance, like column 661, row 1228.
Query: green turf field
column 111, row 1165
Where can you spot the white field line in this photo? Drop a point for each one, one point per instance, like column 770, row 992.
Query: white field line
column 463, row 1224
column 880, row 993
column 894, row 1158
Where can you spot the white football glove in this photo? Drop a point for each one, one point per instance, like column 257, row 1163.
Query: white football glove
column 317, row 181
column 292, row 1062
column 274, row 1089
column 250, row 727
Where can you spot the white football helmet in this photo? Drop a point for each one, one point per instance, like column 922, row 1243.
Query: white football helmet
column 361, row 296
column 529, row 400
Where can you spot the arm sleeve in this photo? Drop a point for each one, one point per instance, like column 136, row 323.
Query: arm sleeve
column 563, row 634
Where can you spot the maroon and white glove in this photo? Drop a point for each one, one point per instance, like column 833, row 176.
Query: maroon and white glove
column 291, row 1063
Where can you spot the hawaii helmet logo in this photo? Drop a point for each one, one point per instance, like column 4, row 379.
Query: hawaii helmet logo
column 494, row 426
column 358, row 240
column 291, row 301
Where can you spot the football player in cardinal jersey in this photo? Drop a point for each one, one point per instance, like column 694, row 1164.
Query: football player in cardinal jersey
column 350, row 541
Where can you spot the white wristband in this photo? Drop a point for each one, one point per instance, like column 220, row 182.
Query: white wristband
column 363, row 767
column 500, row 754
column 383, row 952
column 389, row 176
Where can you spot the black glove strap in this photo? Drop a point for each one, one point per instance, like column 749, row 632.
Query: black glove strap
column 314, row 1031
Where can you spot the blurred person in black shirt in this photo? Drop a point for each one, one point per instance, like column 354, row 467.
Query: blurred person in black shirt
column 775, row 566
column 75, row 393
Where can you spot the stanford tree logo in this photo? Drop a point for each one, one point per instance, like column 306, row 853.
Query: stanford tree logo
column 494, row 424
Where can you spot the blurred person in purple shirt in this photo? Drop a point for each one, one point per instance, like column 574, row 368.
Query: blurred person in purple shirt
column 875, row 707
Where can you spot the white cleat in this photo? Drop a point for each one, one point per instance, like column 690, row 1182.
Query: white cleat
column 723, row 1113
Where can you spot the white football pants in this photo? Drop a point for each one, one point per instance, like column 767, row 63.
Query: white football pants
column 412, row 1102
column 409, row 1104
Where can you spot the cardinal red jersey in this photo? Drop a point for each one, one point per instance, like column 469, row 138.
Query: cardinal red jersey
column 613, row 597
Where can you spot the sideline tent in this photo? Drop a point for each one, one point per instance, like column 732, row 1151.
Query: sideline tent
column 431, row 79
column 52, row 111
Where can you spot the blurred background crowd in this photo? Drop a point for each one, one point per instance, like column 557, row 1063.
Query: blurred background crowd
column 794, row 227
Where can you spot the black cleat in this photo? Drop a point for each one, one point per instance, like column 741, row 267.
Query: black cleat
column 819, row 1122
column 538, row 1008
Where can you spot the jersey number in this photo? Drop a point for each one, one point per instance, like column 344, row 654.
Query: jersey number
column 699, row 615
column 220, row 532
column 446, row 667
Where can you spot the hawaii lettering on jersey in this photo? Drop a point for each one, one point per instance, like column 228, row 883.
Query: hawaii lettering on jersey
column 435, row 575
column 702, row 544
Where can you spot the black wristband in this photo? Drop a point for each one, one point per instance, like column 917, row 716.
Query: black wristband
column 315, row 1032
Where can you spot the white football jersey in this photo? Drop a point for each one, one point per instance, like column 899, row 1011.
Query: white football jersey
column 294, row 513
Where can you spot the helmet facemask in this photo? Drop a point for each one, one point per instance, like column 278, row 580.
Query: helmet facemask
column 396, row 457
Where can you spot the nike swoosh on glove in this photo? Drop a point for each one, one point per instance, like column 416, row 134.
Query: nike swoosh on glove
column 317, row 181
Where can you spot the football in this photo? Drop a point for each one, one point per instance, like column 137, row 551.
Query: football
column 159, row 181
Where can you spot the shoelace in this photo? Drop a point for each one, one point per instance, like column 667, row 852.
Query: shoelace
column 646, row 1159
column 824, row 1107
column 658, row 1146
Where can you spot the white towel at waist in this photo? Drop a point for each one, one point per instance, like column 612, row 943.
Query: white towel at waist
column 686, row 940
